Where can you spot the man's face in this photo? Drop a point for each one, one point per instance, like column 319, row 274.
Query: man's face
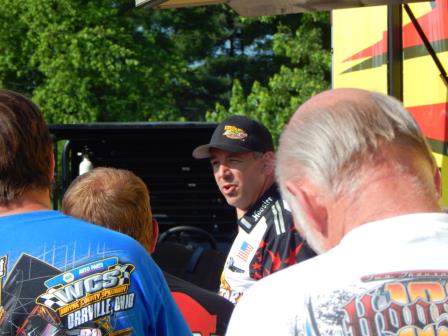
column 240, row 177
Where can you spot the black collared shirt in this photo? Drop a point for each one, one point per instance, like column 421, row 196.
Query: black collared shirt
column 266, row 243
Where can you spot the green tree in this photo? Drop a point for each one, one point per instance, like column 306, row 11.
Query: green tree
column 88, row 60
column 307, row 73
column 221, row 46
column 104, row 60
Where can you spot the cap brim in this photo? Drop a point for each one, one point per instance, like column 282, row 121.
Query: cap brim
column 203, row 152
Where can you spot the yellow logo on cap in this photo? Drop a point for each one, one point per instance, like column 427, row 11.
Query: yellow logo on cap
column 233, row 132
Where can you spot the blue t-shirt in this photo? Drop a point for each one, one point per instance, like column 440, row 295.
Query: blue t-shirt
column 63, row 276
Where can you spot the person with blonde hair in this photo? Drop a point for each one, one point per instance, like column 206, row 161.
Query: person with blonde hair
column 119, row 200
column 364, row 189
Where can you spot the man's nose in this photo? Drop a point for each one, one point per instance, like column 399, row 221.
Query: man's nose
column 224, row 171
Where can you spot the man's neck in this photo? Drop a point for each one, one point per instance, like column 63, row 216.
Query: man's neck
column 240, row 213
column 265, row 187
column 32, row 200
column 384, row 194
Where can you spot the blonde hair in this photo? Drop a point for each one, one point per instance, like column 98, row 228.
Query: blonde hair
column 114, row 198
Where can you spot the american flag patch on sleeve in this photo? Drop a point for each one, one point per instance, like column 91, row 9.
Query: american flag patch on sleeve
column 244, row 251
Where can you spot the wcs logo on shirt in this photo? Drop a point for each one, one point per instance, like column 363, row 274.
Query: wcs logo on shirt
column 94, row 290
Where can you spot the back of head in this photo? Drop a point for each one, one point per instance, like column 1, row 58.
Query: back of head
column 114, row 198
column 344, row 142
column 337, row 132
column 25, row 147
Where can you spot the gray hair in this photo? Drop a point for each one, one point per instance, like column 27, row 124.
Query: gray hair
column 329, row 144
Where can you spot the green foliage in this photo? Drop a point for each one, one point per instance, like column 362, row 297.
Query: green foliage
column 308, row 73
column 87, row 60
column 104, row 60
column 221, row 46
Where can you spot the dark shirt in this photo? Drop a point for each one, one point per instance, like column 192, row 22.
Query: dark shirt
column 267, row 242
column 206, row 312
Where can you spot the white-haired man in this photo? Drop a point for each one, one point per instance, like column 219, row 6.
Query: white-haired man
column 364, row 189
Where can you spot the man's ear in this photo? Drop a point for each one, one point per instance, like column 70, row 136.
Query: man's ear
column 155, row 235
column 438, row 181
column 313, row 206
column 268, row 163
column 52, row 167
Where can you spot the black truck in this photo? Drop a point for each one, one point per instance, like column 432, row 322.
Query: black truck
column 196, row 224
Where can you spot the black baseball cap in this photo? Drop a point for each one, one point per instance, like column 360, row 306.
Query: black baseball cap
column 237, row 134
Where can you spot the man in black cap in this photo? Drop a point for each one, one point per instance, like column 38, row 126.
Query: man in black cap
column 241, row 153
